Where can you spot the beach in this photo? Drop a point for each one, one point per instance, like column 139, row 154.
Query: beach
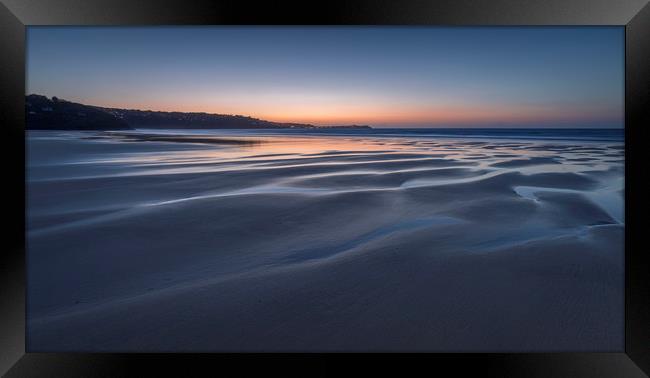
column 159, row 241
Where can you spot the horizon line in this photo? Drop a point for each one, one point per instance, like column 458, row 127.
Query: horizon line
column 441, row 127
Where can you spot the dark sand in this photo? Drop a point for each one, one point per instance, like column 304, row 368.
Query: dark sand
column 323, row 244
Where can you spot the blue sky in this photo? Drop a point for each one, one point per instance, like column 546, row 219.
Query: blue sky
column 381, row 76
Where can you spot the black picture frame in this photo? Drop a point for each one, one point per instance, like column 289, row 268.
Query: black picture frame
column 15, row 15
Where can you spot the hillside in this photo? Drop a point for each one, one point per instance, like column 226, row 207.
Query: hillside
column 56, row 114
column 179, row 120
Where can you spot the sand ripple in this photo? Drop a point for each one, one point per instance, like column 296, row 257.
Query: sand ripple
column 356, row 236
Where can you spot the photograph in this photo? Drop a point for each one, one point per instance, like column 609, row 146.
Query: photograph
column 338, row 188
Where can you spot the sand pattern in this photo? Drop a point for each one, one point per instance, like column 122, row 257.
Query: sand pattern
column 142, row 242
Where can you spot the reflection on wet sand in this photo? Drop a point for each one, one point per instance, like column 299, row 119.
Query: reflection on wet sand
column 222, row 242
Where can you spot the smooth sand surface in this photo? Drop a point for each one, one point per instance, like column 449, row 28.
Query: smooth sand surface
column 321, row 243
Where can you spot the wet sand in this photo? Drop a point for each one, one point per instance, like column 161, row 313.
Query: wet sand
column 323, row 243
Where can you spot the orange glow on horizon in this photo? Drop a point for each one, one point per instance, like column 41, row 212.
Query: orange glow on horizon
column 381, row 114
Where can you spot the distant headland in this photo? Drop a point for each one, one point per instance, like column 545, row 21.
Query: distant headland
column 43, row 113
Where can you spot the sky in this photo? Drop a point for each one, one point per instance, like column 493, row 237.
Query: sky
column 556, row 77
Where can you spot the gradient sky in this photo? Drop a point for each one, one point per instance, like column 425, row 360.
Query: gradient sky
column 380, row 76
